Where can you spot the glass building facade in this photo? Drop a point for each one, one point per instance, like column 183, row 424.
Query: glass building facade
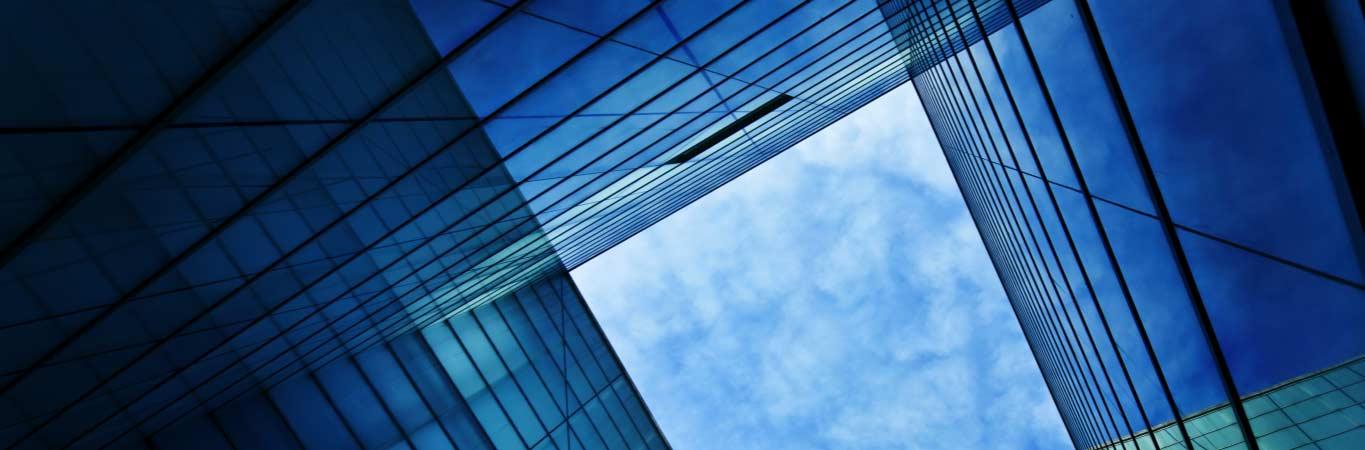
column 1166, row 193
column 348, row 223
column 530, row 370
column 224, row 212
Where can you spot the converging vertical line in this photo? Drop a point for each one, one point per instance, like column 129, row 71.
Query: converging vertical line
column 1167, row 225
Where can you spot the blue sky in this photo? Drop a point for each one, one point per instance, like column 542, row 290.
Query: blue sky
column 837, row 296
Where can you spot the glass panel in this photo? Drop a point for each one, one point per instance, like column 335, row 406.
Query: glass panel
column 1274, row 321
column 1221, row 111
column 1166, row 311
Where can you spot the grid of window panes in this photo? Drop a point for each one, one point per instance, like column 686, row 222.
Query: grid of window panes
column 593, row 161
column 530, row 370
column 1155, row 187
column 923, row 49
column 201, row 195
column 263, row 224
column 1323, row 411
column 538, row 373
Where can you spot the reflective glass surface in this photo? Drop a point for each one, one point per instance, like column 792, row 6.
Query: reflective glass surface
column 1159, row 186
column 203, row 200
column 257, row 224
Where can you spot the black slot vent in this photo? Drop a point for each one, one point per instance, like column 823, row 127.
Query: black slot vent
column 732, row 128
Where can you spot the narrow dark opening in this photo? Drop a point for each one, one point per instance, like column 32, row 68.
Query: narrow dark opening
column 731, row 129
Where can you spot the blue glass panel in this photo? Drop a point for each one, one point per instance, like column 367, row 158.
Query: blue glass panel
column 1220, row 108
column 251, row 423
column 1267, row 313
column 490, row 75
column 449, row 23
column 357, row 404
column 393, row 388
column 310, row 415
column 1162, row 302
column 1115, row 309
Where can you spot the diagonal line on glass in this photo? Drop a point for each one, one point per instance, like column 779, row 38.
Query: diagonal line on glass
column 425, row 348
column 204, row 240
column 497, row 400
column 565, row 117
column 1025, row 299
column 1033, row 297
column 1073, row 338
column 1094, row 215
column 733, row 143
column 1128, row 298
column 1167, row 224
column 1066, row 231
column 145, row 132
column 1045, row 274
column 240, row 213
column 1011, row 224
column 616, row 358
column 986, row 222
column 932, row 102
column 670, row 169
column 1043, row 277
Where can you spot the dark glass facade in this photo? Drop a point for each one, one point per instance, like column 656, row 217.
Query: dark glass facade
column 530, row 370
column 348, row 223
column 223, row 212
column 1164, row 189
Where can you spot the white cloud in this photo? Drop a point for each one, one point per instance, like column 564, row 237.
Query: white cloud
column 835, row 297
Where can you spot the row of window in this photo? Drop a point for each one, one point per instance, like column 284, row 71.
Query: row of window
column 530, row 370
column 1137, row 320
column 1323, row 411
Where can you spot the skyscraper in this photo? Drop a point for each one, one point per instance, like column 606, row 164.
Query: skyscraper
column 1162, row 188
column 320, row 224
column 219, row 212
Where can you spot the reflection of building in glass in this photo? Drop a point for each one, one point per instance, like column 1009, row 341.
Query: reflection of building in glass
column 325, row 224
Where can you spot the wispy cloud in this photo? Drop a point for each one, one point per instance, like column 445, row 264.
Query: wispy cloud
column 836, row 297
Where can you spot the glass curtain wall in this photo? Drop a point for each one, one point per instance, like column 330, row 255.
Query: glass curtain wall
column 529, row 370
column 1162, row 194
column 200, row 196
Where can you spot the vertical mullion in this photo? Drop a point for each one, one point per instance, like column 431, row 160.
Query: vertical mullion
column 1023, row 129
column 454, row 390
column 984, row 218
column 388, row 412
column 511, row 375
column 1023, row 252
column 331, row 403
column 491, row 392
column 275, row 408
column 1082, row 388
column 991, row 193
column 1080, row 363
column 1095, row 217
column 927, row 96
column 1167, row 225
